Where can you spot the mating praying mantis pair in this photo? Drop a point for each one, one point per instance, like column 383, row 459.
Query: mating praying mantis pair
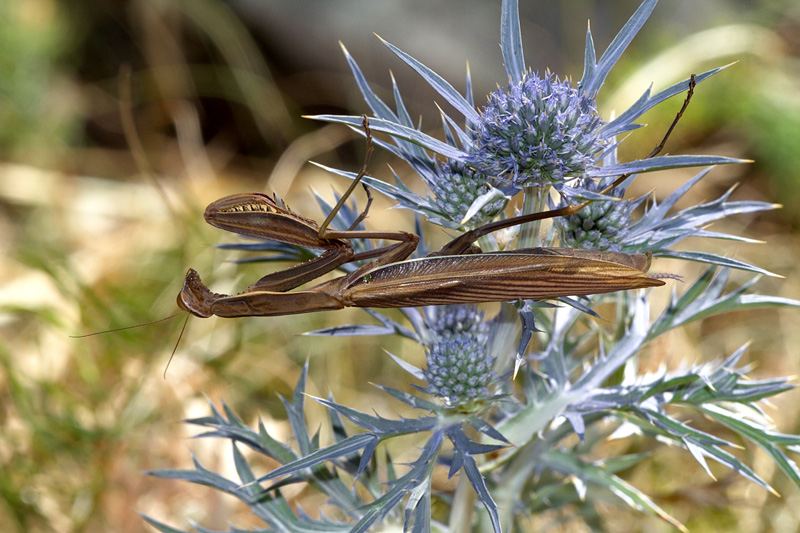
column 458, row 273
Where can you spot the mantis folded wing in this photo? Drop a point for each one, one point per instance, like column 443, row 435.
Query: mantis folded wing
column 534, row 273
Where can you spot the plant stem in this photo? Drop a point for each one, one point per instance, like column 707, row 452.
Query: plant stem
column 463, row 505
column 534, row 201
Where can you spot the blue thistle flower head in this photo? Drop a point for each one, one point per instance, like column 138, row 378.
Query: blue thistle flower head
column 539, row 131
column 456, row 186
column 459, row 371
column 457, row 320
column 601, row 225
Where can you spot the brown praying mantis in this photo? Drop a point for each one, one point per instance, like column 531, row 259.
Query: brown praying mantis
column 457, row 273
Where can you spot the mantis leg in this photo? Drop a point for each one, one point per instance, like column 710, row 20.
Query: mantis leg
column 295, row 276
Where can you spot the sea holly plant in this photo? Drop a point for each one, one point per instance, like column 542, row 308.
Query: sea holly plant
column 510, row 436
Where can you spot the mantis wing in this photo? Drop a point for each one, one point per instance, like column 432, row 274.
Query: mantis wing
column 537, row 273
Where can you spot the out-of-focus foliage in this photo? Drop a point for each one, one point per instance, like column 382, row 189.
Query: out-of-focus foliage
column 38, row 114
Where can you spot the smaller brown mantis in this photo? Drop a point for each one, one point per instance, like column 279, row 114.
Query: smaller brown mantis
column 454, row 274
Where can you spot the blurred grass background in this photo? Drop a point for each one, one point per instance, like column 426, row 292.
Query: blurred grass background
column 98, row 225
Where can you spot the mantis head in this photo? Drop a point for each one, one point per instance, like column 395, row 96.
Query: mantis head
column 195, row 298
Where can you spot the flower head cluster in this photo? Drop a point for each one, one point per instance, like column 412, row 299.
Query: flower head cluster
column 601, row 225
column 538, row 131
column 459, row 370
column 457, row 186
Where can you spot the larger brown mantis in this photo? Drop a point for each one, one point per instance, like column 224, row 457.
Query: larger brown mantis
column 454, row 274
